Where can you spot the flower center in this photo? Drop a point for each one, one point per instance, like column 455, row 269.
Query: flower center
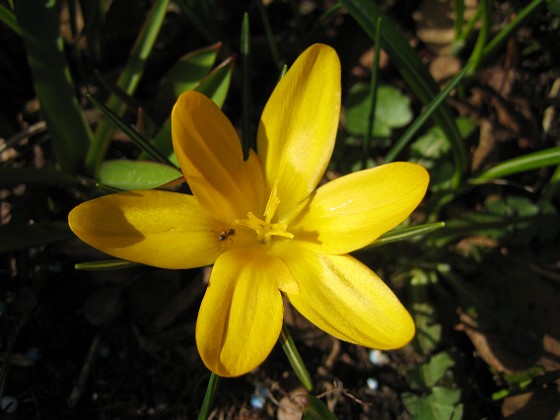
column 264, row 228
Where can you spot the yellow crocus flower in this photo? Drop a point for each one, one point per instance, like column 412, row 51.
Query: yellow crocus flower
column 264, row 223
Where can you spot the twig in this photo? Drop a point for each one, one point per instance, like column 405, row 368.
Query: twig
column 80, row 386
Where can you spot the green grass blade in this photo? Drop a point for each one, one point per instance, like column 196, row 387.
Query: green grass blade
column 366, row 13
column 128, row 81
column 519, row 164
column 69, row 131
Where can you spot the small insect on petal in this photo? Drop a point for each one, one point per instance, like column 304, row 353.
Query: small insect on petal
column 226, row 234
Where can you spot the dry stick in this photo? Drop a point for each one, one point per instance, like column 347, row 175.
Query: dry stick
column 80, row 386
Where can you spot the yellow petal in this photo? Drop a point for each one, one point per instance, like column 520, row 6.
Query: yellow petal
column 158, row 228
column 240, row 317
column 299, row 123
column 346, row 299
column 209, row 152
column 354, row 210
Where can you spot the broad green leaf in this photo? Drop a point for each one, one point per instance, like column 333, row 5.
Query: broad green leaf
column 440, row 404
column 519, row 164
column 68, row 128
column 184, row 75
column 315, row 409
column 16, row 237
column 434, row 370
column 136, row 175
column 392, row 110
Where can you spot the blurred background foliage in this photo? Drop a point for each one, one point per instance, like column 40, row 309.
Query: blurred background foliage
column 469, row 89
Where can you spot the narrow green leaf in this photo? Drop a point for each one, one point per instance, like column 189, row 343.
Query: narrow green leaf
column 136, row 175
column 15, row 237
column 459, row 17
column 326, row 15
column 245, row 50
column 553, row 186
column 68, row 128
column 477, row 53
column 294, row 358
column 9, row 18
column 184, row 75
column 105, row 265
column 195, row 20
column 315, row 409
column 215, row 86
column 432, row 108
column 209, row 396
column 269, row 34
column 14, row 176
column 128, row 81
column 520, row 18
column 366, row 13
column 554, row 6
column 519, row 164
column 134, row 135
column 403, row 234
column 373, row 94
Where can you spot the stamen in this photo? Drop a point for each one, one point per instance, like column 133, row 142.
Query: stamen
column 264, row 229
